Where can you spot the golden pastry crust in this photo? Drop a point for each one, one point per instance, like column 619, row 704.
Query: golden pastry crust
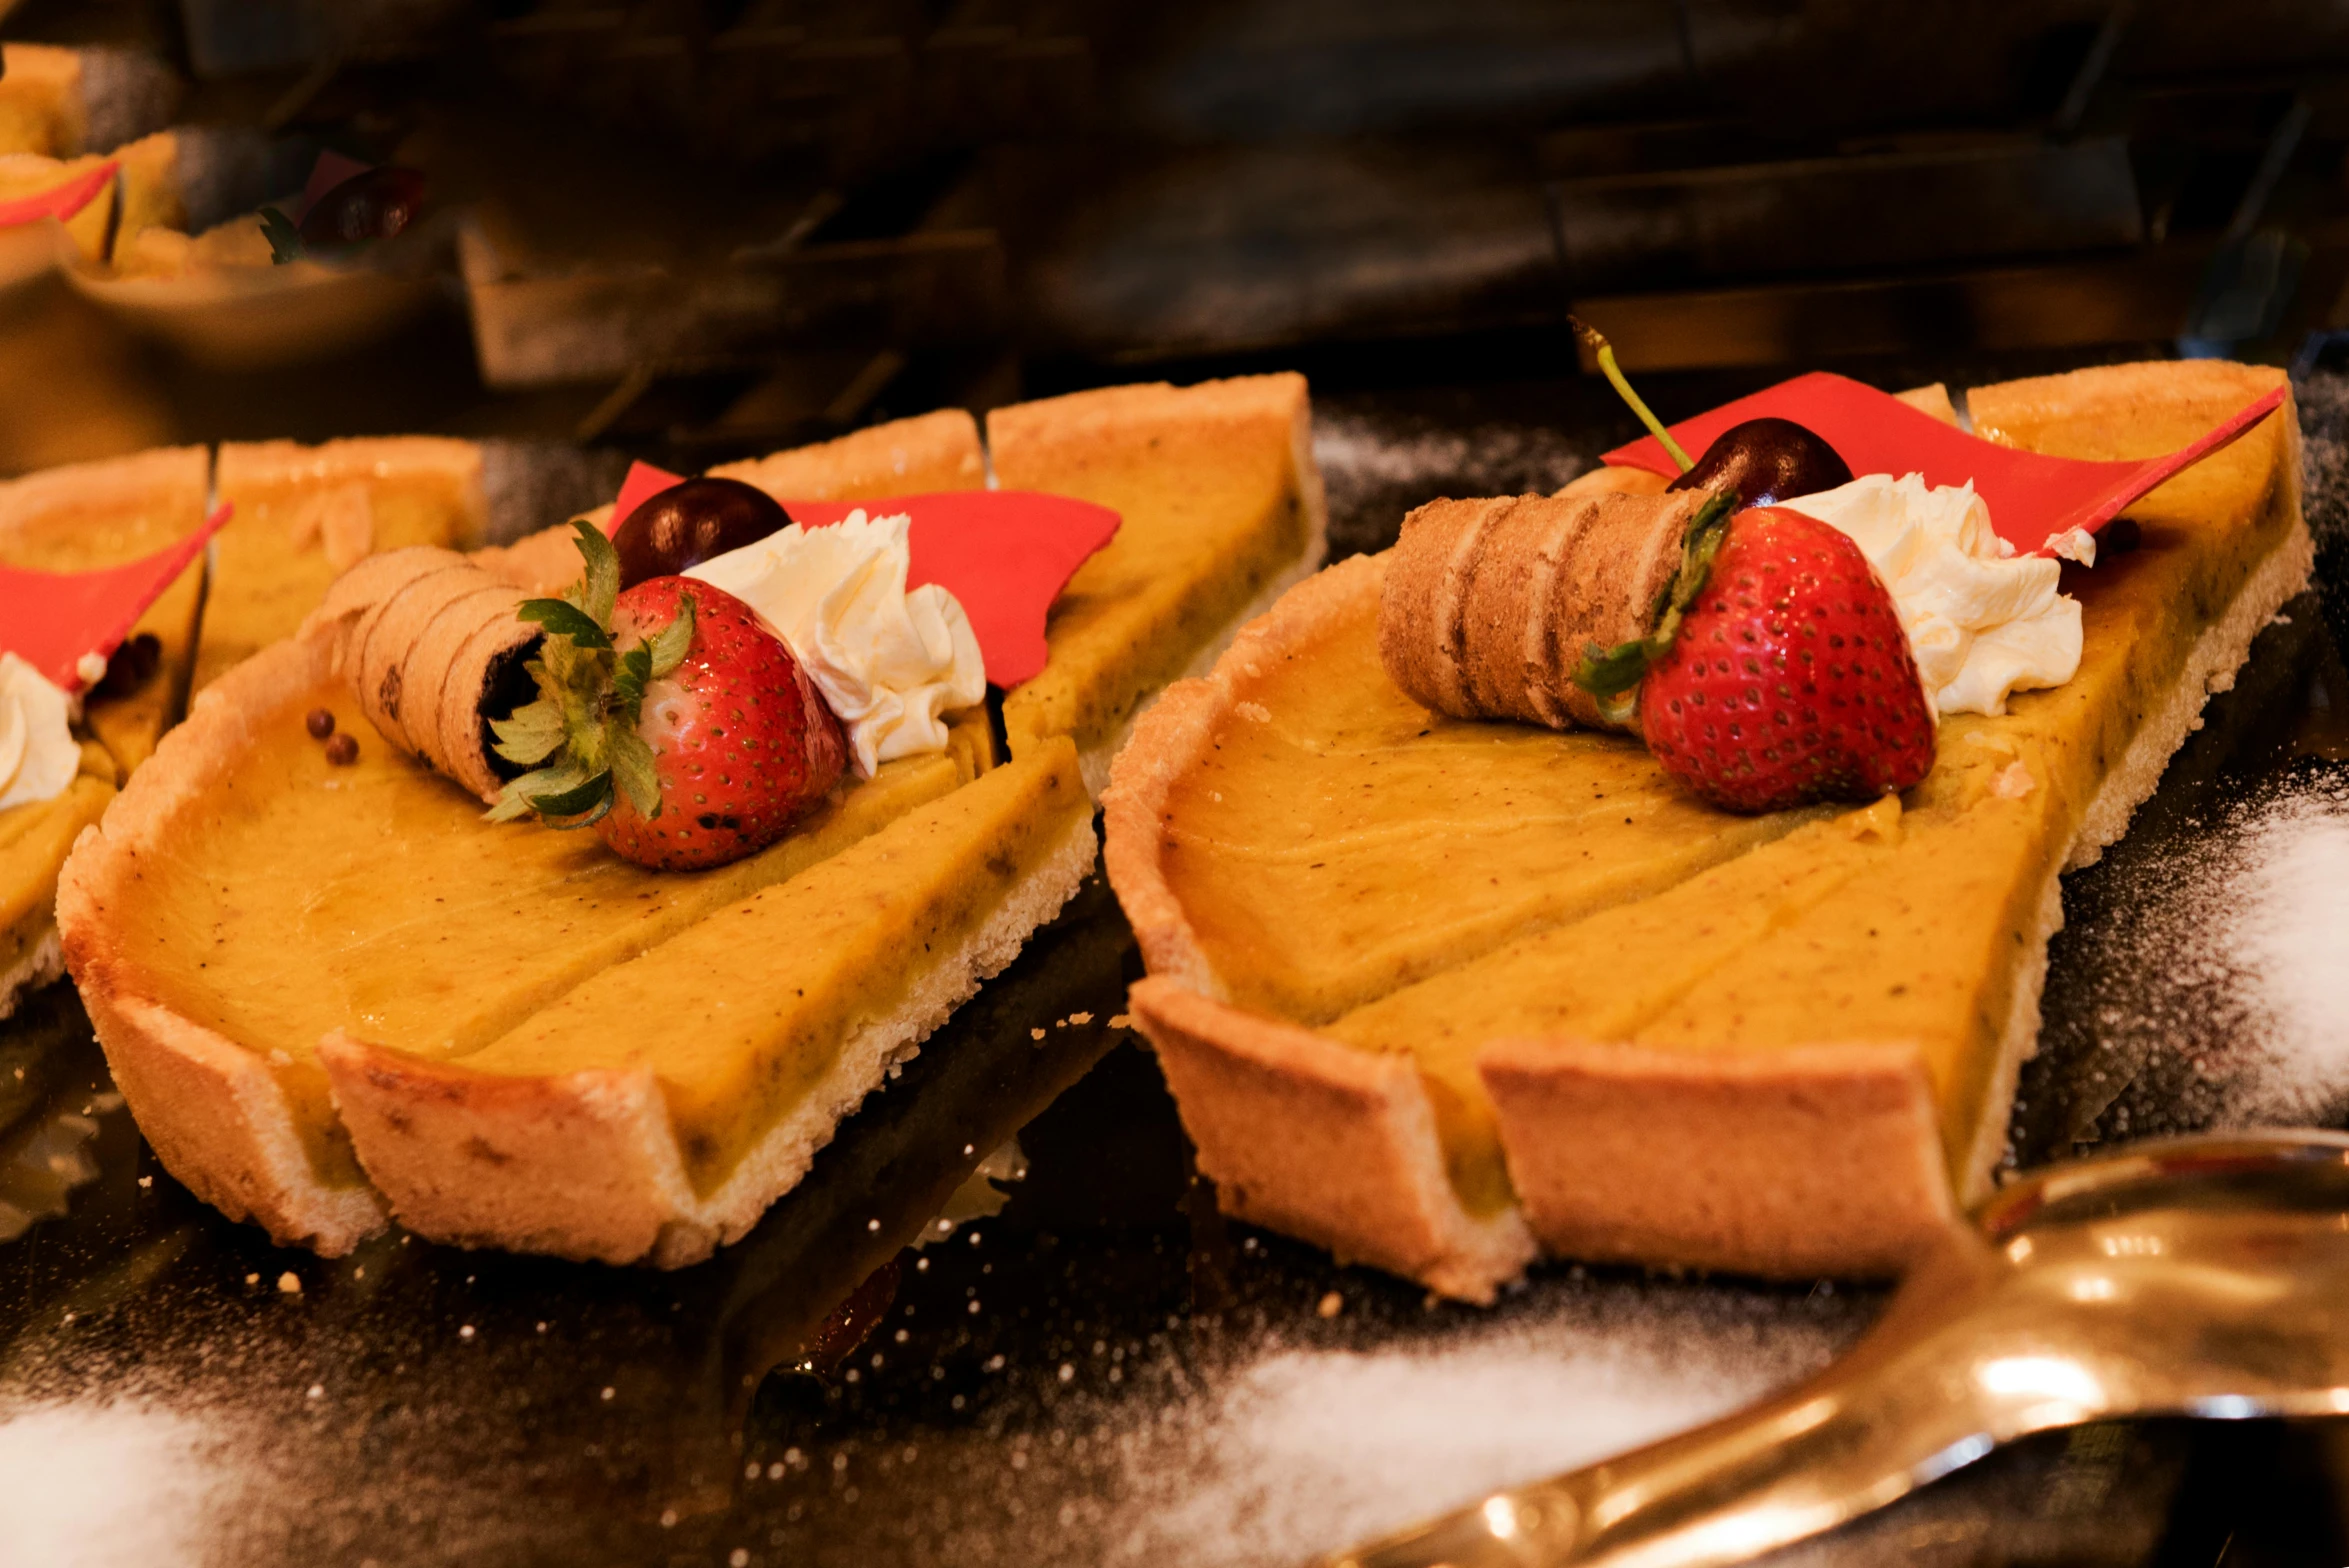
column 218, row 1117
column 1320, row 1140
column 929, row 452
column 165, row 475
column 456, row 463
column 1821, row 1160
column 1061, row 433
column 1825, row 1158
column 1298, row 1131
column 938, row 451
column 540, row 564
column 587, row 1164
column 1607, row 479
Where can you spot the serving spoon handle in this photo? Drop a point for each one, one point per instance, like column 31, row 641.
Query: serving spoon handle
column 2195, row 1277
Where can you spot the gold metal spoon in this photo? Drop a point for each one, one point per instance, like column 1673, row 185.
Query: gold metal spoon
column 2200, row 1277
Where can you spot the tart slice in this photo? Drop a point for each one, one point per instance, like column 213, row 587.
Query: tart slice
column 655, row 1110
column 247, row 897
column 1782, row 1044
column 307, row 514
column 72, row 519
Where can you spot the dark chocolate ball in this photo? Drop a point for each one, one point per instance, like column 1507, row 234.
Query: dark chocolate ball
column 371, row 206
column 687, row 524
column 1766, row 461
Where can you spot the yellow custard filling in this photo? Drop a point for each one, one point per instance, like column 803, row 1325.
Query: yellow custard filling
column 741, row 1015
column 35, row 838
column 304, row 515
column 299, row 897
column 1340, row 840
column 1211, row 512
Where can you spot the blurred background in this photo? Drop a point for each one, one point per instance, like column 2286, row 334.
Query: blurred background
column 694, row 228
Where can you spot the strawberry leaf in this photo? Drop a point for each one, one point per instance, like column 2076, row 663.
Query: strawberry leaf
column 671, row 643
column 285, row 240
column 570, row 802
column 629, row 681
column 600, row 590
column 1612, row 675
column 531, row 733
column 514, row 800
column 565, row 619
column 1608, row 672
column 632, row 767
column 582, row 727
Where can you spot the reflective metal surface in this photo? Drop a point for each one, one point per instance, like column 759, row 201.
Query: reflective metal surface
column 2196, row 1277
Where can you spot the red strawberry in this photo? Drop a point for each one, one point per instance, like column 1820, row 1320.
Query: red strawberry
column 743, row 744
column 1789, row 679
column 670, row 718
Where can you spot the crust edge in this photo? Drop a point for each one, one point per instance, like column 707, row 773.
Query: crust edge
column 215, row 1114
column 1320, row 1140
column 586, row 1165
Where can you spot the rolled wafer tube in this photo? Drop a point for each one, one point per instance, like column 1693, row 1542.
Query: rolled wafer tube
column 1489, row 605
column 430, row 645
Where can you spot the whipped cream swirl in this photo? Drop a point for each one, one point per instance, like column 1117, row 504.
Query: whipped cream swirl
column 889, row 662
column 1982, row 621
column 38, row 755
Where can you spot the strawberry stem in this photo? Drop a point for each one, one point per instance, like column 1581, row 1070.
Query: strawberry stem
column 580, row 734
column 1612, row 675
column 1597, row 342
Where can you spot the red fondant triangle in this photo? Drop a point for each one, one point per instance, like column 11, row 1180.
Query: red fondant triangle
column 642, row 483
column 2032, row 497
column 1005, row 555
column 51, row 619
column 59, row 201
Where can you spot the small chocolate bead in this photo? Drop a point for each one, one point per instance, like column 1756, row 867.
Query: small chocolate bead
column 342, row 750
column 320, row 722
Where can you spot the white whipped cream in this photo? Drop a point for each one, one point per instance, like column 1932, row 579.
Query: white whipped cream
column 38, row 755
column 1982, row 621
column 888, row 661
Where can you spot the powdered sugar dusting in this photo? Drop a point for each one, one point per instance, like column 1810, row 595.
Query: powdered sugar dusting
column 2211, row 985
column 99, row 1485
column 2286, row 944
column 1298, row 1450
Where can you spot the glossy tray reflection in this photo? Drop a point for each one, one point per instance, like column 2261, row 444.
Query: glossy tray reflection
column 1102, row 1371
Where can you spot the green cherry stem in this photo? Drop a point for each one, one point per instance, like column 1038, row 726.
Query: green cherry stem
column 1605, row 351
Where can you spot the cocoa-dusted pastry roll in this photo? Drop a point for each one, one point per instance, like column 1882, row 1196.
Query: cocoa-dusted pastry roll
column 429, row 644
column 1489, row 605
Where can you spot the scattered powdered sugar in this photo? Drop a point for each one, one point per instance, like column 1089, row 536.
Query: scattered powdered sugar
column 2212, row 985
column 1288, row 1452
column 2285, row 939
column 110, row 1485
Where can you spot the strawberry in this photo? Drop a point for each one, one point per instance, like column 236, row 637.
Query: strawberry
column 1779, row 673
column 700, row 742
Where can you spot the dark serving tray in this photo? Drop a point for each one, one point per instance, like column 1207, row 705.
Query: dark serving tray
column 1101, row 1369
